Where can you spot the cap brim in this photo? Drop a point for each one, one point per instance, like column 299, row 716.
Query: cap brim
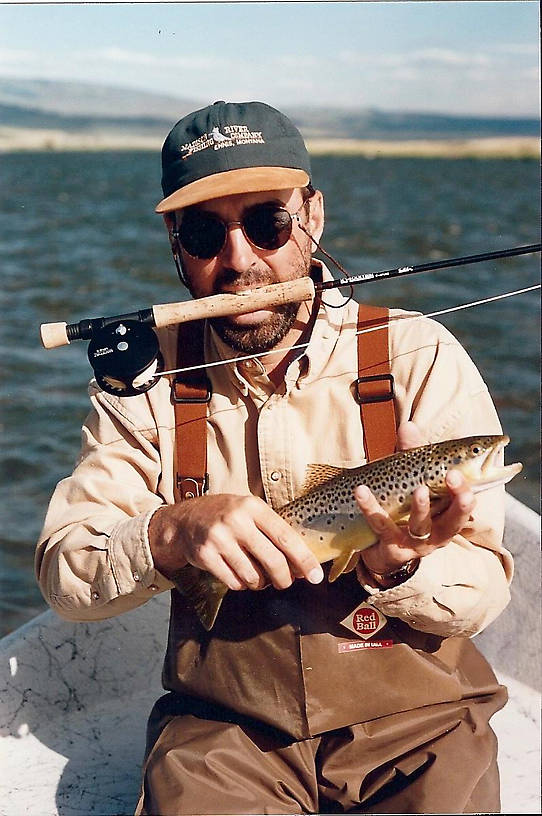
column 232, row 182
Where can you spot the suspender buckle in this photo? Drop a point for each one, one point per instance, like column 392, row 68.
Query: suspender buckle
column 197, row 393
column 380, row 388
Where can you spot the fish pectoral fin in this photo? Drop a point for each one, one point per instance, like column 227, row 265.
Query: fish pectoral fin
column 203, row 591
column 317, row 475
column 352, row 564
column 344, row 563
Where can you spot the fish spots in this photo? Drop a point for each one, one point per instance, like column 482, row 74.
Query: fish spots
column 392, row 480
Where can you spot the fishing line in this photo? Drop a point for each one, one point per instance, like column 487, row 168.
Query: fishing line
column 404, row 318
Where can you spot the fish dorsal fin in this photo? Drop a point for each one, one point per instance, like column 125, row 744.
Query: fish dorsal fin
column 317, row 475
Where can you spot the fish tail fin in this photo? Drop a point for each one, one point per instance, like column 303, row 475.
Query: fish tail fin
column 204, row 592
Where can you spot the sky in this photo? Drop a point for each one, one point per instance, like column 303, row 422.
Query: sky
column 475, row 58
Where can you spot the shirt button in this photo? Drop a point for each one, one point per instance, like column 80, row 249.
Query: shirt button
column 95, row 595
column 276, row 475
column 153, row 587
column 135, row 576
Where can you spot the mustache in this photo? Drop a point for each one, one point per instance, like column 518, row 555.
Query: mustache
column 246, row 278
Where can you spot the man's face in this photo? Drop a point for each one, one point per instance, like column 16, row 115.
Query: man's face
column 240, row 266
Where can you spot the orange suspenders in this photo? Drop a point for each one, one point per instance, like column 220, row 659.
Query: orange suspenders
column 191, row 392
column 375, row 390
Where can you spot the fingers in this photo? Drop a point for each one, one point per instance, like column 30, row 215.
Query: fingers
column 424, row 534
column 419, row 523
column 281, row 548
column 226, row 560
column 375, row 515
column 247, row 546
column 452, row 521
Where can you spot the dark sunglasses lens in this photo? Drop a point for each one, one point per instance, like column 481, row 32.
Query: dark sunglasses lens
column 267, row 226
column 201, row 234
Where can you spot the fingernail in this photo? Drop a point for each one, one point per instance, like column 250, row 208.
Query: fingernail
column 316, row 575
column 363, row 492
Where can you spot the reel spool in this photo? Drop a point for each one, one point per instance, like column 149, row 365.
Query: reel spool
column 125, row 356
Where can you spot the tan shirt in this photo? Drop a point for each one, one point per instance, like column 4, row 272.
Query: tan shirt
column 93, row 558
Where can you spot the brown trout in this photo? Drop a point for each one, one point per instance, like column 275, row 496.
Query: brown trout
column 327, row 517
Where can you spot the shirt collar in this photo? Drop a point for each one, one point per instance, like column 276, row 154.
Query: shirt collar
column 325, row 333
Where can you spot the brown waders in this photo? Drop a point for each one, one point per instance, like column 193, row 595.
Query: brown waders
column 279, row 710
column 441, row 759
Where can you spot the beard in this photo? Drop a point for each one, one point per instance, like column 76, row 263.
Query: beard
column 261, row 337
column 265, row 335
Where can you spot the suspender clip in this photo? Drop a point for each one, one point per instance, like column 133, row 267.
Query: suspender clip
column 380, row 389
column 190, row 487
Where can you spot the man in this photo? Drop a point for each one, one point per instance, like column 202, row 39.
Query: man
column 277, row 709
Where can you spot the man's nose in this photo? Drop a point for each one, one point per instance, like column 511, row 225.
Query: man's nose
column 237, row 253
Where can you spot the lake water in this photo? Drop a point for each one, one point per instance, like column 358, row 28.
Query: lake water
column 80, row 239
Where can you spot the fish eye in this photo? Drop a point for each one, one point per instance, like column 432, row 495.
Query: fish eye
column 475, row 449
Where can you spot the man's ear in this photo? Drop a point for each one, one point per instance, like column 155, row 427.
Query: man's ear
column 170, row 221
column 315, row 224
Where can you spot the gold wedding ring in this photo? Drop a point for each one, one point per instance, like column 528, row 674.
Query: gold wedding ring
column 423, row 537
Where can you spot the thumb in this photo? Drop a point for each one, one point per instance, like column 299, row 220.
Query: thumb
column 409, row 436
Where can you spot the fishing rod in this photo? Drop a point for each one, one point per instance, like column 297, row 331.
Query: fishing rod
column 403, row 318
column 124, row 349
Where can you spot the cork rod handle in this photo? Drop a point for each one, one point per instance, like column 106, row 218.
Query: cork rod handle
column 54, row 335
column 222, row 305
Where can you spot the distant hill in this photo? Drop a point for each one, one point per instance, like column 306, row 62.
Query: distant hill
column 377, row 124
column 77, row 106
column 49, row 115
column 35, row 118
column 81, row 99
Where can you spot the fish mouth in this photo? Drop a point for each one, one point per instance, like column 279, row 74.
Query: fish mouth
column 488, row 471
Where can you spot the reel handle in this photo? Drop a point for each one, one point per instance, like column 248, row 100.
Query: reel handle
column 54, row 335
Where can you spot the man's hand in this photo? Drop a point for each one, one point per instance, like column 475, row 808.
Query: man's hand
column 239, row 539
column 396, row 544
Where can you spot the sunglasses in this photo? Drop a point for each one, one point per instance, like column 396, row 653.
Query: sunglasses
column 266, row 226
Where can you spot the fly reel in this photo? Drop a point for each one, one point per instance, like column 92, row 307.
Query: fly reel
column 125, row 356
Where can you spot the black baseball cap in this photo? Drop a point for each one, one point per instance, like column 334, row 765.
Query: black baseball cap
column 229, row 148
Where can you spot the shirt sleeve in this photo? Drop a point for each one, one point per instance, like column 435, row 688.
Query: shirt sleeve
column 462, row 587
column 93, row 558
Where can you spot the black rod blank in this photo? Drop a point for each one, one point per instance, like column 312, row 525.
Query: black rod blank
column 429, row 266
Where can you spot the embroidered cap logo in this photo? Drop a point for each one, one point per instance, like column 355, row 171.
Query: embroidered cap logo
column 230, row 136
